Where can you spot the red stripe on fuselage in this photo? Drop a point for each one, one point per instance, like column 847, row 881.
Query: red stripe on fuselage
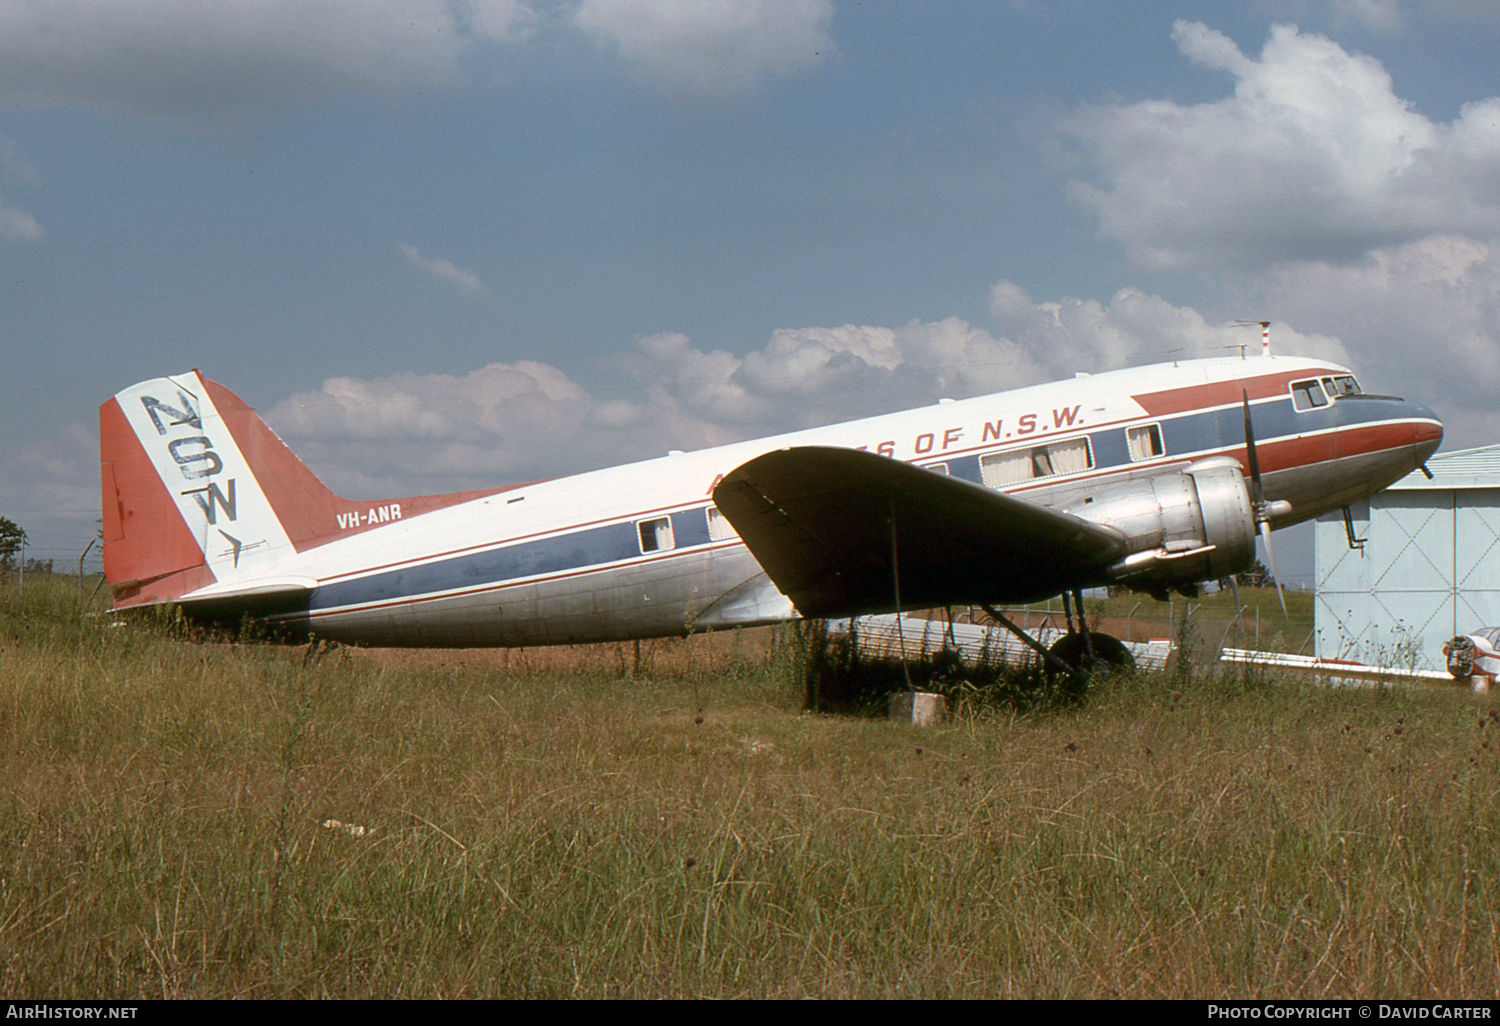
column 1302, row 451
column 1222, row 393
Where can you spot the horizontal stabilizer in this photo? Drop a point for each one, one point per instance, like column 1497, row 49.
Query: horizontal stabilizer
column 263, row 597
column 254, row 588
column 839, row 530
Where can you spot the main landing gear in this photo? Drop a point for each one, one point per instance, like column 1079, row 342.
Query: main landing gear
column 1076, row 654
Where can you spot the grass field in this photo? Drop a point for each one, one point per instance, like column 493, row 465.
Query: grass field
column 181, row 818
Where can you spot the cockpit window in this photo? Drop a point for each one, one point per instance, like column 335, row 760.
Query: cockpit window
column 1342, row 385
column 1308, row 395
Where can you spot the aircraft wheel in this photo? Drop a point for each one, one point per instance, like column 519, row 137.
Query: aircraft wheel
column 1110, row 653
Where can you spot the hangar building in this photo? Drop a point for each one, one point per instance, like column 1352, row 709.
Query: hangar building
column 1424, row 564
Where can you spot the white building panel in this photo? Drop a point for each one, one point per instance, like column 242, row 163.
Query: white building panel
column 1477, row 559
column 1429, row 566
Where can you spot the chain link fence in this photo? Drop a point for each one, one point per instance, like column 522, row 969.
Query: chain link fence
column 85, row 567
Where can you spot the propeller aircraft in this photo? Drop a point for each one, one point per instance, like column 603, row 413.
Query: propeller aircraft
column 1154, row 478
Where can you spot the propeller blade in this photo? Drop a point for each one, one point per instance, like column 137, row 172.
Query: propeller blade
column 1265, row 536
column 1253, row 458
column 1258, row 502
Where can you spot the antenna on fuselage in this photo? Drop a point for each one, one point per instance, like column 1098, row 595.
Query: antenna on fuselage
column 1265, row 335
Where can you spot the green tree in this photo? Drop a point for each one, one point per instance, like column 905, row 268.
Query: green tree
column 1257, row 576
column 11, row 539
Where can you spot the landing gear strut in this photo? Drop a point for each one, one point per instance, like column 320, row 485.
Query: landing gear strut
column 1077, row 653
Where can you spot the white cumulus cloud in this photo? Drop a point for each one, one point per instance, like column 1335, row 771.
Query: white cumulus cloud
column 711, row 47
column 1421, row 319
column 465, row 281
column 1132, row 328
column 417, row 433
column 1314, row 157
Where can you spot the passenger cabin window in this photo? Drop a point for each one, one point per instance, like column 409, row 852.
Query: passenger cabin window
column 1340, row 386
column 1144, row 442
column 656, row 534
column 1000, row 469
column 1308, row 395
column 719, row 527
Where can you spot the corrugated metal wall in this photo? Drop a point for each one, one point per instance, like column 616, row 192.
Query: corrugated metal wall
column 1429, row 569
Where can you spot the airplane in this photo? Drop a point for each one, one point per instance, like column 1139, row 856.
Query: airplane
column 1472, row 659
column 1476, row 654
column 1156, row 478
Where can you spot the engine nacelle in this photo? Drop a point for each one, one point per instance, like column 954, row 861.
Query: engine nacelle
column 1182, row 528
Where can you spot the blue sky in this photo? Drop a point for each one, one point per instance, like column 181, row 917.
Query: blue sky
column 446, row 243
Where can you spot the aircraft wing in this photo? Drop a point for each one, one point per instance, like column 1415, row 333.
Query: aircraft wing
column 1345, row 670
column 821, row 522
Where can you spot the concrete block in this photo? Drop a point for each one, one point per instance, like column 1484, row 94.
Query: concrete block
column 923, row 708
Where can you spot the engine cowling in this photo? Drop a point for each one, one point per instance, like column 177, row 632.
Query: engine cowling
column 1194, row 525
column 1461, row 657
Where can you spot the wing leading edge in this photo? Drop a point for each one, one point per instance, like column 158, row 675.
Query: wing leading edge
column 824, row 522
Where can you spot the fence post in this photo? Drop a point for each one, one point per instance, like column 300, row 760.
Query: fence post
column 80, row 570
column 21, row 591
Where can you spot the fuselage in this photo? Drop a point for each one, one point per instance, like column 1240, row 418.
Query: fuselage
column 639, row 550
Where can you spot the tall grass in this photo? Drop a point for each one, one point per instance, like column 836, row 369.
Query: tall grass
column 200, row 819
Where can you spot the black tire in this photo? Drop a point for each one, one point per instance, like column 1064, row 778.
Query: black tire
column 1109, row 654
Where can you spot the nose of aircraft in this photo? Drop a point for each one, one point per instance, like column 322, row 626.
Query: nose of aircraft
column 1426, row 431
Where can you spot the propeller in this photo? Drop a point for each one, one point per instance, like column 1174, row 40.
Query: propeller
column 1261, row 509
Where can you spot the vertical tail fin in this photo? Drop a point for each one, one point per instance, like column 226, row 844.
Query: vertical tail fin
column 183, row 509
column 199, row 493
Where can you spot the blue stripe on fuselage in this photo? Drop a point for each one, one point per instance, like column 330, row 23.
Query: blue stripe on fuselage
column 690, row 527
column 589, row 547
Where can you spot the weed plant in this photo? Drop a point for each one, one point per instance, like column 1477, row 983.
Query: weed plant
column 183, row 817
